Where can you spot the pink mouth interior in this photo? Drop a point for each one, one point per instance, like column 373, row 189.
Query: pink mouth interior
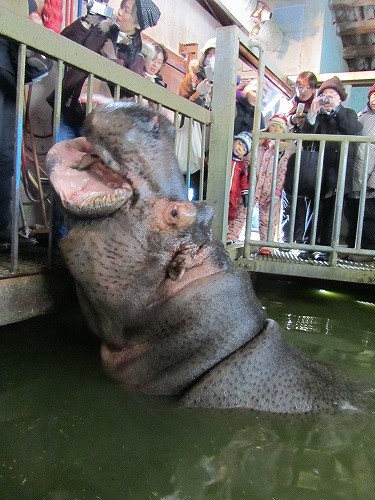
column 72, row 183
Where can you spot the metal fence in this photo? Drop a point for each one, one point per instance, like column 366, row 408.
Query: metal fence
column 220, row 120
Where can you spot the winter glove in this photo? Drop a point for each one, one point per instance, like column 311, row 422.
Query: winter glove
column 245, row 200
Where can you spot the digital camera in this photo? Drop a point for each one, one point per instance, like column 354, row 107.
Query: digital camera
column 325, row 99
column 100, row 8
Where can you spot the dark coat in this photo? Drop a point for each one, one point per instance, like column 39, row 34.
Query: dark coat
column 8, row 80
column 245, row 116
column 343, row 121
column 94, row 39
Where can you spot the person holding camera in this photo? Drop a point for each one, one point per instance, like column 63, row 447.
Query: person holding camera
column 116, row 39
column 328, row 116
column 306, row 85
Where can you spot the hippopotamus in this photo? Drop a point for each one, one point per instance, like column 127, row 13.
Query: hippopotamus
column 176, row 317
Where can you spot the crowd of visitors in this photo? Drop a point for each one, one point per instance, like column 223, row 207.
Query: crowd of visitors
column 312, row 109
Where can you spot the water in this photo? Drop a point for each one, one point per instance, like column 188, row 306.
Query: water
column 67, row 432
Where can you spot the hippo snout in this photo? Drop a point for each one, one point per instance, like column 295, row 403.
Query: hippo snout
column 204, row 214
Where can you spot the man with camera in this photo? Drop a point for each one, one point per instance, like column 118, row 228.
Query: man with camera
column 328, row 116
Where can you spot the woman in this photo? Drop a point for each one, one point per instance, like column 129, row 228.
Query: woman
column 197, row 84
column 155, row 58
column 120, row 42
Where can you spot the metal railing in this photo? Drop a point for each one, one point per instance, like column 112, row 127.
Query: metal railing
column 67, row 53
column 230, row 42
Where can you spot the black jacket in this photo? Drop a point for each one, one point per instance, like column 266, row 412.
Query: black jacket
column 245, row 116
column 343, row 121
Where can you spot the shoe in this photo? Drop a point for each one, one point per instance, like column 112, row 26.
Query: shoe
column 26, row 241
column 305, row 254
column 360, row 258
column 320, row 256
column 38, row 61
column 23, row 241
column 264, row 251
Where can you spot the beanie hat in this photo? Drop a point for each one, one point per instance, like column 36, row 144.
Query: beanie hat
column 147, row 12
column 335, row 84
column 210, row 44
column 246, row 138
column 371, row 91
column 279, row 120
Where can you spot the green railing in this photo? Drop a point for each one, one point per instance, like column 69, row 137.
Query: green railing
column 230, row 42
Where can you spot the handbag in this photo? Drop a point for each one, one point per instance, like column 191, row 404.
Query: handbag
column 307, row 173
column 182, row 147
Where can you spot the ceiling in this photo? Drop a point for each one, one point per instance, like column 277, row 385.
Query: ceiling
column 355, row 25
column 354, row 21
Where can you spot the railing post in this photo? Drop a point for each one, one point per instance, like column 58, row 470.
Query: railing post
column 18, row 132
column 221, row 136
column 255, row 145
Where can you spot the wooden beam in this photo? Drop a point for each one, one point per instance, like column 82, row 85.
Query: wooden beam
column 350, row 3
column 356, row 78
column 354, row 51
column 355, row 27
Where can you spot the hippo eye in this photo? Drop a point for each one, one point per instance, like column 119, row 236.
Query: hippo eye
column 174, row 213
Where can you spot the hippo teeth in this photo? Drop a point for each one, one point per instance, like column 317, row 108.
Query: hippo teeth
column 96, row 204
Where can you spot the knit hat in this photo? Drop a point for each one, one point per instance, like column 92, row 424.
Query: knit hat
column 279, row 120
column 371, row 91
column 246, row 138
column 147, row 12
column 210, row 44
column 335, row 84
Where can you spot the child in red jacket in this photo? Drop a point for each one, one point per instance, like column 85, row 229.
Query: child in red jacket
column 239, row 186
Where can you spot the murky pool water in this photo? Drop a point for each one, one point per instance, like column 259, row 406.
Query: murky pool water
column 67, row 432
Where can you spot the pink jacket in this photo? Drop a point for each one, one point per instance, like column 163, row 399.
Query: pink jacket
column 264, row 172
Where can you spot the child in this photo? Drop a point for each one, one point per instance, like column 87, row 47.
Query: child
column 239, row 186
column 277, row 124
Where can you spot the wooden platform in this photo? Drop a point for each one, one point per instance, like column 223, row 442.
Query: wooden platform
column 35, row 288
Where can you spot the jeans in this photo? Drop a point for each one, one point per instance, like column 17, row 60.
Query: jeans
column 68, row 131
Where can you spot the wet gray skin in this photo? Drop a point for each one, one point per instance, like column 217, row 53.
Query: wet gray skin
column 174, row 315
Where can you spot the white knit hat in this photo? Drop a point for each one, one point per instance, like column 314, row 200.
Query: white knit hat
column 280, row 120
column 210, row 44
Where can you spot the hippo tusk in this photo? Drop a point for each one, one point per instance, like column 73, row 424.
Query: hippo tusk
column 96, row 204
column 87, row 161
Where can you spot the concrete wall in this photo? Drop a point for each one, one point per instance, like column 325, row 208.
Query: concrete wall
column 332, row 50
column 310, row 41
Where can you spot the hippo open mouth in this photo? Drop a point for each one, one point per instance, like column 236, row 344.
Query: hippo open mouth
column 85, row 185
